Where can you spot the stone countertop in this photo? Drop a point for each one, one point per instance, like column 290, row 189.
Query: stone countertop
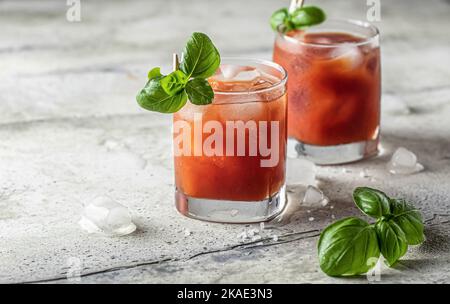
column 70, row 130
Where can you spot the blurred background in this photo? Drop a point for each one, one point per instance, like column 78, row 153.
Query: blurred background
column 50, row 66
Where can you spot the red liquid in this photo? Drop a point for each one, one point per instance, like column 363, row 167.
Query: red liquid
column 239, row 178
column 334, row 92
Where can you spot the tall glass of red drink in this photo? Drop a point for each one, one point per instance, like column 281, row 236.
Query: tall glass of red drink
column 333, row 88
column 230, row 155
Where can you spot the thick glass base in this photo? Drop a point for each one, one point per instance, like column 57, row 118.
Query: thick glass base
column 225, row 211
column 339, row 154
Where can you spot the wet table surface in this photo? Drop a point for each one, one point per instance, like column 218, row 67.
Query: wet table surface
column 70, row 130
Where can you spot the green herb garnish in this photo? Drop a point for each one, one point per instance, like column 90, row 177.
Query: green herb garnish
column 168, row 94
column 300, row 18
column 347, row 246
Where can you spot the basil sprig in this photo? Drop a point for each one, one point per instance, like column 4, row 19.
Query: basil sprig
column 347, row 246
column 300, row 18
column 168, row 94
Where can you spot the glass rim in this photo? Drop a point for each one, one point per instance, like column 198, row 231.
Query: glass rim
column 361, row 24
column 281, row 82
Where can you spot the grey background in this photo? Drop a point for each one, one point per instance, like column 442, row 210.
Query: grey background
column 70, row 130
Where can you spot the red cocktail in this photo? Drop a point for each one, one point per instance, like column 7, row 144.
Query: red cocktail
column 230, row 155
column 334, row 89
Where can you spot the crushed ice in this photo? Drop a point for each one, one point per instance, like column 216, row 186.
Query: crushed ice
column 107, row 216
column 404, row 161
column 254, row 234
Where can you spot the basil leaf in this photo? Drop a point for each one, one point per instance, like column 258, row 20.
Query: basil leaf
column 153, row 97
column 371, row 202
column 278, row 18
column 392, row 240
column 409, row 220
column 307, row 16
column 155, row 72
column 174, row 82
column 199, row 91
column 201, row 58
column 346, row 246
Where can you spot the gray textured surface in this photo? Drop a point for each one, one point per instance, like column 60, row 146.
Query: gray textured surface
column 70, row 130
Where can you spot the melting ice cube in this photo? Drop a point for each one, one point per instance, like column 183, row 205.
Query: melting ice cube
column 300, row 171
column 105, row 215
column 314, row 197
column 247, row 76
column 229, row 71
column 349, row 54
column 237, row 73
column 404, row 161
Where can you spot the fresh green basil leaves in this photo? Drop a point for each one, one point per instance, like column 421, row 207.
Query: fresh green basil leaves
column 301, row 18
column 168, row 94
column 371, row 202
column 201, row 58
column 199, row 91
column 409, row 219
column 154, row 98
column 392, row 240
column 347, row 246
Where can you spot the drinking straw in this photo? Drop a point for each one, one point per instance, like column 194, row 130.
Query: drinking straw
column 295, row 4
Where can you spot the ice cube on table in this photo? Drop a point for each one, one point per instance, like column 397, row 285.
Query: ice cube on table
column 349, row 54
column 314, row 197
column 300, row 171
column 404, row 161
column 105, row 215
